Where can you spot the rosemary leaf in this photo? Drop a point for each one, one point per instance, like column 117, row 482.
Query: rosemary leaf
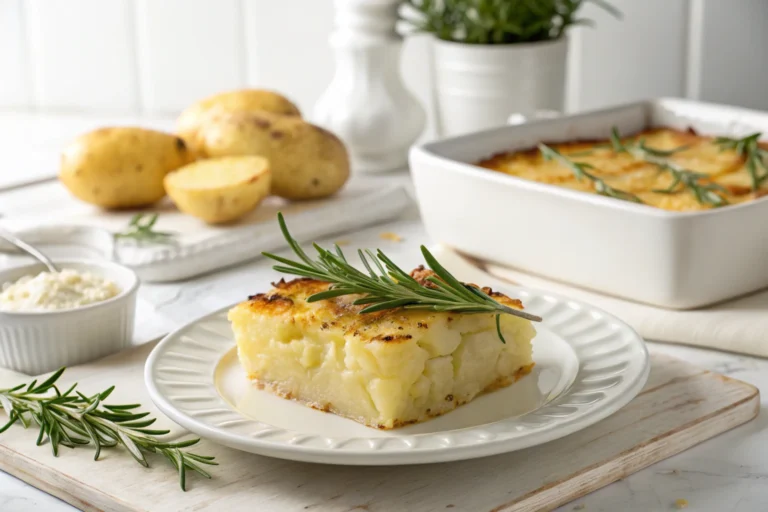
column 141, row 229
column 391, row 287
column 697, row 183
column 754, row 156
column 583, row 171
column 72, row 419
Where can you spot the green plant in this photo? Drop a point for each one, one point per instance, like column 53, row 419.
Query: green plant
column 498, row 21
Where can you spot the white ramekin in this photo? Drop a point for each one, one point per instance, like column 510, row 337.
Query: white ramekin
column 41, row 341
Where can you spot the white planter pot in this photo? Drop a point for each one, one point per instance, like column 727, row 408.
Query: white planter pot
column 481, row 86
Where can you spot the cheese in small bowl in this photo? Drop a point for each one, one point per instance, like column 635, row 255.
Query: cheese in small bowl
column 52, row 291
column 49, row 320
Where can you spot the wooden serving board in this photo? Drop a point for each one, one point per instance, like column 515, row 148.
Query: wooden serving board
column 680, row 406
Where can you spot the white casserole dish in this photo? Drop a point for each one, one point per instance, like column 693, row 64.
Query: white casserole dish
column 638, row 252
column 36, row 342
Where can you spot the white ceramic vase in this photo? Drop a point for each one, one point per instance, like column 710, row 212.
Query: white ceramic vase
column 367, row 104
column 481, row 86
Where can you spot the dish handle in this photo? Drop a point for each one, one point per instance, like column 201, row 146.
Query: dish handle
column 519, row 118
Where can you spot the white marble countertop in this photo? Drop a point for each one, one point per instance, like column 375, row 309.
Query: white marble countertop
column 728, row 473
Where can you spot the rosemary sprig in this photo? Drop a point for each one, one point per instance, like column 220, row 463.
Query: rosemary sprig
column 754, row 156
column 582, row 170
column 386, row 286
column 697, row 183
column 141, row 228
column 71, row 419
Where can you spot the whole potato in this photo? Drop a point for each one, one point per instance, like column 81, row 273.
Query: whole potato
column 307, row 161
column 121, row 167
column 245, row 100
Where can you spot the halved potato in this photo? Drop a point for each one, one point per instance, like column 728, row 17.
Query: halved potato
column 220, row 190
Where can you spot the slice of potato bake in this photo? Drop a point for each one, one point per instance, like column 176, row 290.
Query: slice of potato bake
column 384, row 369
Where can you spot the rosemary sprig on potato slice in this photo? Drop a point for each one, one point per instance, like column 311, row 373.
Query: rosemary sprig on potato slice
column 697, row 183
column 583, row 170
column 748, row 148
column 386, row 286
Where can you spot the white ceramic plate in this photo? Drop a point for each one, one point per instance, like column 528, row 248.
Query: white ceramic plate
column 588, row 365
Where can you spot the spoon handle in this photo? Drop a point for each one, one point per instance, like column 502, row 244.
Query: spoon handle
column 25, row 247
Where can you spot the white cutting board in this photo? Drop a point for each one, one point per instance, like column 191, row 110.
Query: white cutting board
column 48, row 214
column 680, row 406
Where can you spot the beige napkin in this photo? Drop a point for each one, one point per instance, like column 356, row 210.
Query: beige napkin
column 739, row 325
column 10, row 378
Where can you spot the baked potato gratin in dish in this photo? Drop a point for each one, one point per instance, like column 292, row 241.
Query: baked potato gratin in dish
column 384, row 369
column 662, row 167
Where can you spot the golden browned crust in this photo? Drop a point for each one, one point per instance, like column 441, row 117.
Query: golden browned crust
column 622, row 171
column 288, row 298
column 422, row 275
column 499, row 383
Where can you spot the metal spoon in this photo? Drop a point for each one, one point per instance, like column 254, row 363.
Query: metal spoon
column 25, row 247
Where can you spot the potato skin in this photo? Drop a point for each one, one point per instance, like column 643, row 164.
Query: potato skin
column 121, row 167
column 307, row 161
column 220, row 190
column 244, row 100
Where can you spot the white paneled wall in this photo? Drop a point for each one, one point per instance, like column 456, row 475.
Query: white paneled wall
column 82, row 53
column 735, row 72
column 15, row 85
column 636, row 57
column 187, row 49
column 156, row 56
column 287, row 47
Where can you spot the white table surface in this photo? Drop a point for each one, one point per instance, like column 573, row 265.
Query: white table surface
column 728, row 473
